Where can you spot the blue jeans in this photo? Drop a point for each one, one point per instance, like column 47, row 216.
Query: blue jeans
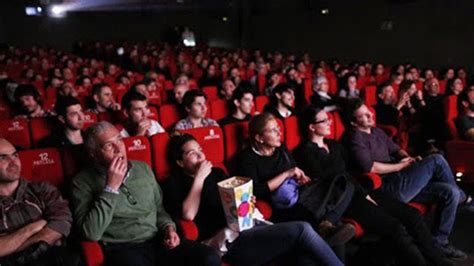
column 428, row 181
column 261, row 244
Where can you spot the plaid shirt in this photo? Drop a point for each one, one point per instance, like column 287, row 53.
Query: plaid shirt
column 31, row 202
column 186, row 123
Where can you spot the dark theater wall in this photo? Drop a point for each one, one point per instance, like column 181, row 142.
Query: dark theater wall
column 427, row 32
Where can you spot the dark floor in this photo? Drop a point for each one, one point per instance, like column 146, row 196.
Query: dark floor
column 463, row 236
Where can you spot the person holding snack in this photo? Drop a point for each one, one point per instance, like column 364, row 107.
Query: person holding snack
column 191, row 193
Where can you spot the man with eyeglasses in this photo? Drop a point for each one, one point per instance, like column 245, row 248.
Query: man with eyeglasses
column 119, row 203
column 35, row 218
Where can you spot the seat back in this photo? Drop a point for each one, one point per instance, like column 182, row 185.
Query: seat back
column 211, row 93
column 260, row 102
column 211, row 140
column 42, row 165
column 159, row 143
column 90, row 118
column 219, row 109
column 338, row 126
column 450, row 107
column 292, row 132
column 370, row 95
column 169, row 115
column 16, row 131
column 40, row 128
column 138, row 148
column 235, row 135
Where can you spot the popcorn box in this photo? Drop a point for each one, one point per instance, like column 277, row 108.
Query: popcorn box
column 235, row 193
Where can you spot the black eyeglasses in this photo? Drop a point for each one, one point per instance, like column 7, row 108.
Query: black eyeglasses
column 325, row 121
column 129, row 195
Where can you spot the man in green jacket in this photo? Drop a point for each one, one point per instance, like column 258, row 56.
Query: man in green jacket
column 119, row 203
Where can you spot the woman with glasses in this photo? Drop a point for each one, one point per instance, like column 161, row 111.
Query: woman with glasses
column 377, row 213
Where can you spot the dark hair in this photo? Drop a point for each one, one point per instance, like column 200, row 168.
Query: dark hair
column 463, row 97
column 97, row 88
column 238, row 94
column 131, row 96
column 190, row 96
column 257, row 125
column 80, row 80
column 381, row 87
column 62, row 103
column 174, row 149
column 280, row 88
column 350, row 107
column 404, row 86
column 27, row 90
column 308, row 117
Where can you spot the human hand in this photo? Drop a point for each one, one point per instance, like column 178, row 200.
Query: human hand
column 143, row 127
column 171, row 238
column 204, row 170
column 116, row 172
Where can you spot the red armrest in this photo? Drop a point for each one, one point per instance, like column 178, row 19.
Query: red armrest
column 189, row 229
column 265, row 208
column 370, row 180
column 359, row 231
column 391, row 131
column 92, row 253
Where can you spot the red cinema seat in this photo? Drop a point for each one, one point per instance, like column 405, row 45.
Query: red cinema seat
column 292, row 132
column 308, row 89
column 370, row 95
column 74, row 159
column 219, row 109
column 112, row 117
column 40, row 128
column 90, row 118
column 211, row 140
column 460, row 156
column 235, row 135
column 169, row 115
column 442, row 86
column 261, row 84
column 332, row 85
column 260, row 102
column 42, row 165
column 159, row 143
column 338, row 126
column 16, row 131
column 211, row 93
column 450, row 107
column 138, row 149
column 153, row 113
column 5, row 111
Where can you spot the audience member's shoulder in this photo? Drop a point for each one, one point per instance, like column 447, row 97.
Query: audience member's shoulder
column 41, row 187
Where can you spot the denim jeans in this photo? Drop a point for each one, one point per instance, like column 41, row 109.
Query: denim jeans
column 427, row 181
column 261, row 244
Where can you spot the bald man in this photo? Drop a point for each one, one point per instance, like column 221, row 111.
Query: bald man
column 35, row 217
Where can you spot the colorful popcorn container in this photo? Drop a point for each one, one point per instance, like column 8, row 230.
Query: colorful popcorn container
column 236, row 193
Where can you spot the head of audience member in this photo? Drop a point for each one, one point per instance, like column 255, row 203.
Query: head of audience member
column 284, row 95
column 123, row 79
column 386, row 94
column 455, row 86
column 141, row 88
column 211, row 71
column 84, row 81
column 179, row 91
column 194, row 103
column 432, row 87
column 379, row 70
column 56, row 82
column 322, row 84
column 301, row 67
column 315, row 122
column 359, row 116
column 351, row 81
column 182, row 80
column 429, row 74
column 28, row 99
column 104, row 144
column 361, row 71
column 70, row 114
column 67, row 89
column 242, row 102
column 103, row 98
column 264, row 133
column 466, row 103
column 135, row 107
column 184, row 153
column 461, row 73
column 407, row 86
column 415, row 74
column 449, row 74
column 112, row 70
column 319, row 72
column 228, row 88
column 10, row 165
column 397, row 78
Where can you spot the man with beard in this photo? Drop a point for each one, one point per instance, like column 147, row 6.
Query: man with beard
column 29, row 102
column 36, row 219
column 465, row 121
column 282, row 101
column 71, row 120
